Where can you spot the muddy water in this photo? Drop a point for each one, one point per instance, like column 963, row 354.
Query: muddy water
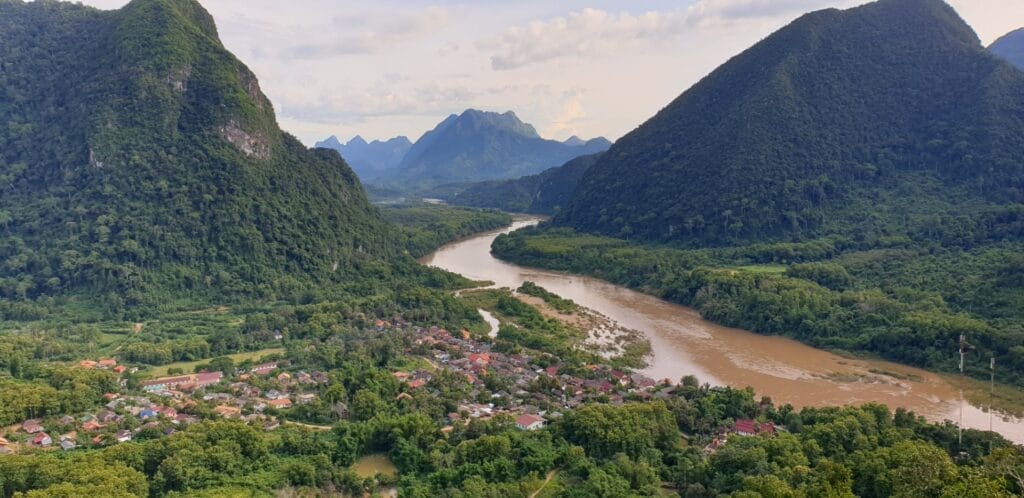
column 685, row 344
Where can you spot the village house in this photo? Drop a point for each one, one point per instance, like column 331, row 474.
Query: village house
column 305, row 399
column 182, row 382
column 123, row 436
column 92, row 426
column 32, row 426
column 226, row 411
column 747, row 427
column 88, row 364
column 280, row 403
column 530, row 422
column 107, row 416
column 263, row 368
column 42, row 439
column 107, row 363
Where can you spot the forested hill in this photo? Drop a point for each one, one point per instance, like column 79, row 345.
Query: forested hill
column 544, row 193
column 478, row 145
column 140, row 161
column 1010, row 47
column 869, row 122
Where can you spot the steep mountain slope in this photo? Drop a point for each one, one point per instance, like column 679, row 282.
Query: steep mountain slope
column 1010, row 47
column 479, row 145
column 544, row 193
column 865, row 123
column 141, row 162
column 372, row 159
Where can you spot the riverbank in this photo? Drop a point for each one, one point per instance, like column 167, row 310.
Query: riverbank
column 683, row 343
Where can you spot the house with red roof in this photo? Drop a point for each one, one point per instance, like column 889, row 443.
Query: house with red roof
column 747, row 427
column 42, row 439
column 32, row 426
column 530, row 422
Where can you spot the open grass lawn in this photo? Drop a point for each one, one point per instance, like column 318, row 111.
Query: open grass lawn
column 188, row 366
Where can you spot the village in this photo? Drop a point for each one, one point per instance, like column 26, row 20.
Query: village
column 530, row 388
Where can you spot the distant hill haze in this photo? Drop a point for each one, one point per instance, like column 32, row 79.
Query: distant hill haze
column 854, row 122
column 1010, row 47
column 369, row 160
column 140, row 162
column 544, row 193
column 478, row 145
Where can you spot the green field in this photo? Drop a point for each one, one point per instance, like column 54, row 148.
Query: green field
column 188, row 366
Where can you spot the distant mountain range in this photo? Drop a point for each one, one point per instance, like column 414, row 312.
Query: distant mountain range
column 371, row 159
column 469, row 147
column 544, row 193
column 878, row 120
column 1010, row 47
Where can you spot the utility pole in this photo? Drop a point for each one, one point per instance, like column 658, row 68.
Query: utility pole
column 991, row 397
column 960, row 426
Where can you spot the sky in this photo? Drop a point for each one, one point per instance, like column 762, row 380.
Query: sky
column 382, row 68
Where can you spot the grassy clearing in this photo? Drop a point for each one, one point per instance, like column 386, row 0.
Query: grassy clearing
column 770, row 269
column 371, row 465
column 189, row 366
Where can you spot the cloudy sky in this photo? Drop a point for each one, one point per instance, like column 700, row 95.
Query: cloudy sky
column 381, row 68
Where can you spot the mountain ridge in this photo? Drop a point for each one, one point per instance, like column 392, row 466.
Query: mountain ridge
column 1010, row 47
column 773, row 143
column 478, row 145
column 369, row 159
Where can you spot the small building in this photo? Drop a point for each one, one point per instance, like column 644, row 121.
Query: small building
column 42, row 439
column 108, row 363
column 280, row 403
column 32, row 426
column 530, row 422
column 68, row 445
column 123, row 436
column 305, row 399
column 264, row 368
column 92, row 426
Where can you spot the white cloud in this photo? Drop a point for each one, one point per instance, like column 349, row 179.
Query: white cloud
column 569, row 116
column 584, row 33
column 597, row 33
column 368, row 33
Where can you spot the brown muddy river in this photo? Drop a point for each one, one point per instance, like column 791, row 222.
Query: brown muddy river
column 686, row 344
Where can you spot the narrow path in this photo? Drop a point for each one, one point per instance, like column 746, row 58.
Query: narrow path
column 311, row 426
column 547, row 480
